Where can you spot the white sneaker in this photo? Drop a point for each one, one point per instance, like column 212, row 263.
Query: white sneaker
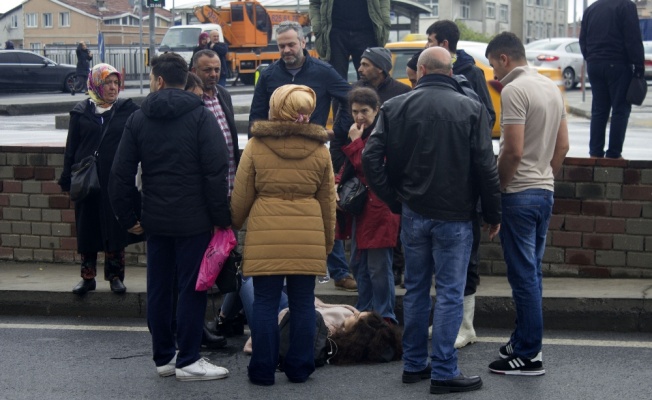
column 201, row 370
column 167, row 369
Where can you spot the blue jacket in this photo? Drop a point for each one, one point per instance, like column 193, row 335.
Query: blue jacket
column 317, row 75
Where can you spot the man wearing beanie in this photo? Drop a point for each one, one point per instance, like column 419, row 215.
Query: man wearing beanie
column 375, row 64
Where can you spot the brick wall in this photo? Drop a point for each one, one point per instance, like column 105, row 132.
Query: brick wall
column 38, row 220
column 601, row 227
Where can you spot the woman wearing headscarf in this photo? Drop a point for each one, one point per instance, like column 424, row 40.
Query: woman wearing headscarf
column 285, row 186
column 97, row 228
column 202, row 43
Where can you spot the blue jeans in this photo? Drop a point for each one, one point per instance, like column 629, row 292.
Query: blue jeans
column 609, row 84
column 375, row 278
column 168, row 257
column 526, row 216
column 247, row 298
column 300, row 359
column 338, row 268
column 443, row 248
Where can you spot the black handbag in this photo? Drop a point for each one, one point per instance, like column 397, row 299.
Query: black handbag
column 229, row 279
column 84, row 180
column 353, row 196
column 637, row 91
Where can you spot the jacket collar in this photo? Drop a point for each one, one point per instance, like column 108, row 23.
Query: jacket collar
column 516, row 73
column 438, row 80
column 281, row 63
column 279, row 129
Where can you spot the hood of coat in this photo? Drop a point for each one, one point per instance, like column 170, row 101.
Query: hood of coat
column 290, row 140
column 170, row 103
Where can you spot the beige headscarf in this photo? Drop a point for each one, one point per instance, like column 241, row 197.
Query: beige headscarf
column 292, row 103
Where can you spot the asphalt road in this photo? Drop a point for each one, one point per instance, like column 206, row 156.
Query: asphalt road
column 77, row 358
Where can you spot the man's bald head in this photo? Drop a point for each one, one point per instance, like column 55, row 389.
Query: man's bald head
column 215, row 36
column 434, row 60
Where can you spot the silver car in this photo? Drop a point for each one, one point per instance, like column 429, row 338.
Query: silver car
column 561, row 53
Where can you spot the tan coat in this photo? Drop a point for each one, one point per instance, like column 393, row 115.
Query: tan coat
column 285, row 185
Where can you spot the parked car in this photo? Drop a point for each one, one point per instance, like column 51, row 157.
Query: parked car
column 403, row 51
column 561, row 53
column 22, row 70
column 647, row 48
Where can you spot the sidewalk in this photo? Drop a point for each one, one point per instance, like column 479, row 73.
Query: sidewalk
column 640, row 117
column 37, row 288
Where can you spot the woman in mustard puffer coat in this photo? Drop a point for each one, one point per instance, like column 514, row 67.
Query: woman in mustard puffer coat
column 285, row 185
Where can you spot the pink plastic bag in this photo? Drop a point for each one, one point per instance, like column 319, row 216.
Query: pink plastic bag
column 218, row 250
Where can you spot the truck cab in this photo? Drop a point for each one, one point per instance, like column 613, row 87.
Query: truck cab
column 182, row 39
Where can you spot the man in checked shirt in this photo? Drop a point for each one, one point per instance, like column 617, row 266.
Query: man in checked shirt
column 206, row 64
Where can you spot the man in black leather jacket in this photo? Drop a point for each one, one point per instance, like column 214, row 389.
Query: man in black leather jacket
column 431, row 156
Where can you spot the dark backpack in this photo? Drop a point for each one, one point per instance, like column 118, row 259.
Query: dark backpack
column 321, row 347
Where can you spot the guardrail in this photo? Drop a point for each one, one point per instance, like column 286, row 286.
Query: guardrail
column 127, row 57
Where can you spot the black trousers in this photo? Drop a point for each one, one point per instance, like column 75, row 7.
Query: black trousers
column 345, row 44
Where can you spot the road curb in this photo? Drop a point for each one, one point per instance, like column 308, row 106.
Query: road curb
column 589, row 314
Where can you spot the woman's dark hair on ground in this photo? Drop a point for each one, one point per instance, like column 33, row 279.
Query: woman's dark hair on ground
column 364, row 96
column 193, row 81
column 371, row 340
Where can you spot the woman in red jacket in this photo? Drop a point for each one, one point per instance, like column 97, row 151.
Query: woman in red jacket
column 374, row 231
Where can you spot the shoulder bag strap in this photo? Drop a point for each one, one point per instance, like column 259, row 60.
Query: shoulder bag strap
column 106, row 128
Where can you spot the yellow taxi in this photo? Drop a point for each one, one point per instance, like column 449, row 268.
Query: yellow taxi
column 403, row 51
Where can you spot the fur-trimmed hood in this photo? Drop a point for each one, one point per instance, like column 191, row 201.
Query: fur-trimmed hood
column 290, row 140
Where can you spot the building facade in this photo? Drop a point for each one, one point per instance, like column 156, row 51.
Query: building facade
column 528, row 19
column 41, row 23
column 12, row 27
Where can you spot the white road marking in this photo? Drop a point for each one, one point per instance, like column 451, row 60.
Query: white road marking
column 578, row 342
column 109, row 328
column 501, row 340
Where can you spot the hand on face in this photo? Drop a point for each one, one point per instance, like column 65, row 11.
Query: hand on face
column 356, row 130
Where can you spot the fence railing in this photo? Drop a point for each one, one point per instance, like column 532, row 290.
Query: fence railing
column 127, row 57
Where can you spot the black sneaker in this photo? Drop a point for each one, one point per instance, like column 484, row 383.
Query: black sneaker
column 518, row 366
column 506, row 351
column 417, row 376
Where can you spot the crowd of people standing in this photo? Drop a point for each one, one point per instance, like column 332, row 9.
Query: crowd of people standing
column 171, row 173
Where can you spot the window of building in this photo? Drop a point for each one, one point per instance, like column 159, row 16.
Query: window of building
column 31, row 20
column 528, row 29
column 561, row 5
column 465, row 9
column 47, row 20
column 560, row 30
column 14, row 21
column 504, row 13
column 549, row 32
column 491, row 10
column 64, row 19
column 434, row 5
column 35, row 46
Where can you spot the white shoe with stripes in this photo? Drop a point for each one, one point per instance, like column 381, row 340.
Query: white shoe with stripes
column 514, row 365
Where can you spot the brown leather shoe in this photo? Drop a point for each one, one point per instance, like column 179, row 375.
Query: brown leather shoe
column 347, row 283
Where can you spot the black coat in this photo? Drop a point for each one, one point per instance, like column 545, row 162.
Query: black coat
column 436, row 157
column 184, row 160
column 465, row 66
column 97, row 228
column 83, row 60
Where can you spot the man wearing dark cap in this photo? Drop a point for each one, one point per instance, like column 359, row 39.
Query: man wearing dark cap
column 375, row 64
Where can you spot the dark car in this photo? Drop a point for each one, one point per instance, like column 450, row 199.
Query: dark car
column 25, row 71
